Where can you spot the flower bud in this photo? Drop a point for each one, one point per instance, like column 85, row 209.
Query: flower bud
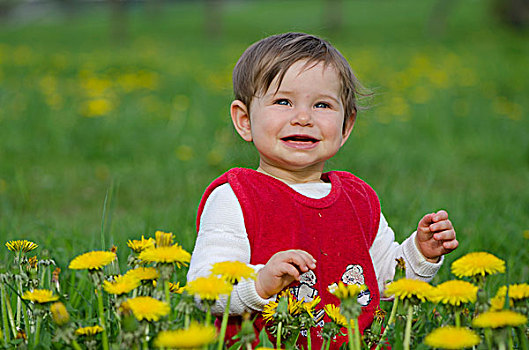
column 59, row 313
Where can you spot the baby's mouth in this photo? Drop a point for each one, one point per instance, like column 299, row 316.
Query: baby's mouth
column 302, row 139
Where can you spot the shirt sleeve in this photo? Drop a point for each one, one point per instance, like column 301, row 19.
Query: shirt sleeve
column 222, row 237
column 385, row 250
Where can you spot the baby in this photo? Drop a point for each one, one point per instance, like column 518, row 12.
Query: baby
column 297, row 226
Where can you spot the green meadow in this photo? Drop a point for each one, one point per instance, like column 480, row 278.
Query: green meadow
column 106, row 139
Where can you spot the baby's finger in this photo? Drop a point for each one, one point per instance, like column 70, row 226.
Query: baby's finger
column 446, row 235
column 426, row 221
column 440, row 215
column 441, row 226
column 309, row 259
column 302, row 259
column 450, row 245
column 289, row 269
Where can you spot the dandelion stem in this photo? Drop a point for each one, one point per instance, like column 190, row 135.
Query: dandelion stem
column 102, row 318
column 488, row 338
column 42, row 278
column 356, row 334
column 37, row 330
column 20, row 291
column 352, row 345
column 166, row 290
column 208, row 315
column 19, row 304
column 457, row 316
column 328, row 344
column 208, row 320
column 186, row 321
column 407, row 334
column 278, row 337
column 224, row 324
column 390, row 322
column 509, row 339
column 309, row 340
column 76, row 345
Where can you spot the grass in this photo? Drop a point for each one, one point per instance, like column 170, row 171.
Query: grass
column 448, row 127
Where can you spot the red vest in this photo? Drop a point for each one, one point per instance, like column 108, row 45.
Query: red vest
column 337, row 230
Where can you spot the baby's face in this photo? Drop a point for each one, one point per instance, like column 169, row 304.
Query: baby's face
column 300, row 126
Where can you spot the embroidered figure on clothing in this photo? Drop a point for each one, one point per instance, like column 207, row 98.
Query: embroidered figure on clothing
column 354, row 274
column 305, row 290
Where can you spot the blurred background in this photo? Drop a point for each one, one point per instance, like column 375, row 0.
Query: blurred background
column 114, row 114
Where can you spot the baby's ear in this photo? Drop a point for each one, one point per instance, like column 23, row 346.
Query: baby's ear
column 241, row 119
column 348, row 126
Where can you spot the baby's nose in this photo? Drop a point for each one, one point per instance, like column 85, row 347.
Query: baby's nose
column 302, row 117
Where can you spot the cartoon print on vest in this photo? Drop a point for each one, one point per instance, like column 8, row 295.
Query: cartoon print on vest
column 354, row 274
column 305, row 291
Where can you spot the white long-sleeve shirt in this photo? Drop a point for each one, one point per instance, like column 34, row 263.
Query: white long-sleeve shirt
column 222, row 237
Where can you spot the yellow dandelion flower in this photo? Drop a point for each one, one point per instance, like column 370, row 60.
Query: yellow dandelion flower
column 454, row 292
column 138, row 246
column 478, row 263
column 294, row 306
column 121, row 285
column 164, row 239
column 23, row 246
column 516, row 292
column 143, row 273
column 97, row 107
column 209, row 288
column 269, row 311
column 498, row 302
column 194, row 337
column 452, row 338
column 408, row 288
column 346, row 291
column 498, row 319
column 94, row 260
column 526, row 234
column 233, row 271
column 309, row 306
column 147, row 308
column 333, row 312
column 175, row 288
column 172, row 254
column 40, row 296
column 59, row 314
column 89, row 331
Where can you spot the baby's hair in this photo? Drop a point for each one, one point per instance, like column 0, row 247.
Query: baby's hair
column 271, row 57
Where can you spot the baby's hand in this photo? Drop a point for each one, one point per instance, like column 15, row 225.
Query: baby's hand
column 282, row 269
column 436, row 236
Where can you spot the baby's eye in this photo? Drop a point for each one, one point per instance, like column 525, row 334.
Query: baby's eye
column 282, row 102
column 322, row 105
